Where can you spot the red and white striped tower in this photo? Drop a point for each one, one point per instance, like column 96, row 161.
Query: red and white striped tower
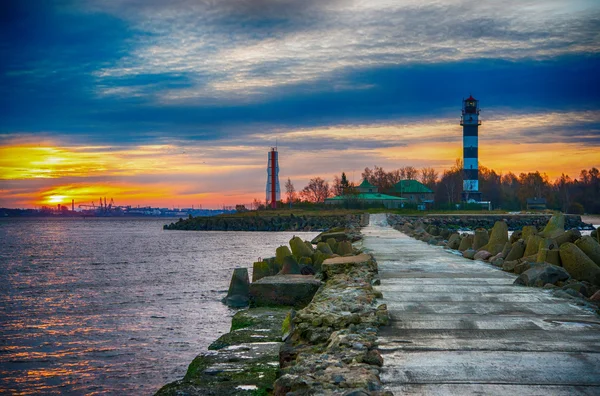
column 273, row 192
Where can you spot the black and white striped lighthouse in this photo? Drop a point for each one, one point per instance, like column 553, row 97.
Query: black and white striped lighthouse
column 470, row 123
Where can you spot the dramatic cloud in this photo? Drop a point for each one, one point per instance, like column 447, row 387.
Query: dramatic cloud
column 149, row 100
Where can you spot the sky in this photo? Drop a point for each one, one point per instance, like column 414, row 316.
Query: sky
column 177, row 103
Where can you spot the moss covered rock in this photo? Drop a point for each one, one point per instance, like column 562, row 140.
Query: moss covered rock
column 527, row 232
column 578, row 264
column 344, row 248
column 454, row 241
column 260, row 269
column 555, row 226
column 567, row 236
column 480, row 238
column 299, row 248
column 498, row 237
column 332, row 244
column 590, row 247
column 533, row 245
column 290, row 266
column 516, row 251
column 465, row 243
column 280, row 253
column 324, row 247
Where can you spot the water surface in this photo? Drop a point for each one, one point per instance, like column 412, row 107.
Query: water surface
column 96, row 306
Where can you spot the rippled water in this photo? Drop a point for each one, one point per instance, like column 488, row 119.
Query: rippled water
column 95, row 306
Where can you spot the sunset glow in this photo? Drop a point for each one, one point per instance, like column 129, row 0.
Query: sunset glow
column 169, row 105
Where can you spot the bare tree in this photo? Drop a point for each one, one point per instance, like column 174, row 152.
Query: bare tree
column 336, row 186
column 316, row 191
column 410, row 172
column 429, row 177
column 290, row 191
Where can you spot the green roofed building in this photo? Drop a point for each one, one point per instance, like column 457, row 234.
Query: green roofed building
column 366, row 187
column 413, row 191
column 367, row 193
column 389, row 201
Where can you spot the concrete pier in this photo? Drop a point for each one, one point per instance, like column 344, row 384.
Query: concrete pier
column 460, row 327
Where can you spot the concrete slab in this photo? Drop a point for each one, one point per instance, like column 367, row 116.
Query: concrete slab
column 459, row 327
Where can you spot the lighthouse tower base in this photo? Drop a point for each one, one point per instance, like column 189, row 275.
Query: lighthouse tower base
column 471, row 196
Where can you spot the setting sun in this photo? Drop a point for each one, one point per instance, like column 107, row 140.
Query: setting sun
column 56, row 199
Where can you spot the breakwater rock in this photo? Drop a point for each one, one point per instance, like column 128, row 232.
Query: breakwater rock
column 487, row 221
column 331, row 345
column 244, row 361
column 269, row 222
column 305, row 334
column 543, row 255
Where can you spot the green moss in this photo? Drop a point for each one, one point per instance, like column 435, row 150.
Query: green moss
column 198, row 365
column 287, row 323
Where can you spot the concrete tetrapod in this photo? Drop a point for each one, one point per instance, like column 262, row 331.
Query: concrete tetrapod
column 497, row 239
column 580, row 266
column 238, row 293
column 480, row 238
column 555, row 226
column 590, row 247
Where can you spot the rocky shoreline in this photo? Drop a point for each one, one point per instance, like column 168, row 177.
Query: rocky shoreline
column 310, row 328
column 268, row 222
column 471, row 222
column 551, row 255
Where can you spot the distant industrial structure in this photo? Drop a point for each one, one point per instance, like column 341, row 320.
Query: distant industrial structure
column 273, row 191
column 470, row 122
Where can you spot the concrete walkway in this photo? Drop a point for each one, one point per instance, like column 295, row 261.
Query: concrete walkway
column 460, row 327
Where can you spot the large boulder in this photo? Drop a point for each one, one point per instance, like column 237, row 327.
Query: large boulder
column 482, row 255
column 239, row 287
column 516, row 251
column 533, row 244
column 292, row 290
column 578, row 264
column 480, row 238
column 509, row 266
column 498, row 238
column 299, row 248
column 590, row 247
column 555, row 226
column 454, row 241
column 469, row 253
column 465, row 243
column 540, row 274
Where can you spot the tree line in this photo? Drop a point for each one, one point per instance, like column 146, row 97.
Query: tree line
column 505, row 191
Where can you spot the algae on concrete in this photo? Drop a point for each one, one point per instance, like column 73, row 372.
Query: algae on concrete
column 578, row 264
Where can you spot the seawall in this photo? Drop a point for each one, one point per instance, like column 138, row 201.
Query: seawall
column 269, row 222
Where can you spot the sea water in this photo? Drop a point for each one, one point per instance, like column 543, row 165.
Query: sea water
column 109, row 305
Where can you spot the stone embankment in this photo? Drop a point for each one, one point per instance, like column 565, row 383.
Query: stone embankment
column 462, row 221
column 310, row 329
column 269, row 222
column 545, row 256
